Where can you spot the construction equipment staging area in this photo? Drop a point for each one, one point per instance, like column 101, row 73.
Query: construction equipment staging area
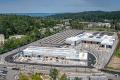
column 71, row 48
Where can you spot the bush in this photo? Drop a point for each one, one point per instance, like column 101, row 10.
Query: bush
column 117, row 53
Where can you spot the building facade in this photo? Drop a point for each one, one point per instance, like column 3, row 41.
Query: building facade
column 2, row 39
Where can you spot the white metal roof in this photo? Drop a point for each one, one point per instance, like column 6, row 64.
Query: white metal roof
column 73, row 38
column 107, row 42
column 105, row 39
column 68, row 53
column 83, row 55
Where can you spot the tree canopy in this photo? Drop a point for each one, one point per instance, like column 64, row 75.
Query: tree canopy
column 54, row 73
column 13, row 24
column 92, row 16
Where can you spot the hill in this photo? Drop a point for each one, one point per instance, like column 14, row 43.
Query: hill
column 90, row 16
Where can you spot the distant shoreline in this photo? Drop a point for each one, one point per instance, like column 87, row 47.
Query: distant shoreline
column 30, row 14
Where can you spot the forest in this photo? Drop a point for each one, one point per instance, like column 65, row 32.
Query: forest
column 23, row 25
column 112, row 17
column 90, row 16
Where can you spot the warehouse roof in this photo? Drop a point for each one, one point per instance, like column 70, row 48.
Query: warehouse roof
column 68, row 53
column 103, row 38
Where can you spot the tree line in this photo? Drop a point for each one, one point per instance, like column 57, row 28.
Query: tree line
column 54, row 74
column 90, row 16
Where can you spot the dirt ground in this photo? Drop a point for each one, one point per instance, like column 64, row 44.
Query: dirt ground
column 114, row 63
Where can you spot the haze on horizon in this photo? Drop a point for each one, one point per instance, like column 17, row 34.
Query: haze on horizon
column 57, row 6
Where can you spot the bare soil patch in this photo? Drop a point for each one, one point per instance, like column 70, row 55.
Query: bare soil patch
column 114, row 63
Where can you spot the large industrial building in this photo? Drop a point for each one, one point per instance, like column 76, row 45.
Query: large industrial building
column 66, row 53
column 103, row 39
column 53, row 54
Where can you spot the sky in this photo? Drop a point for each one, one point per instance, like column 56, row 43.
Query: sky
column 57, row 6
